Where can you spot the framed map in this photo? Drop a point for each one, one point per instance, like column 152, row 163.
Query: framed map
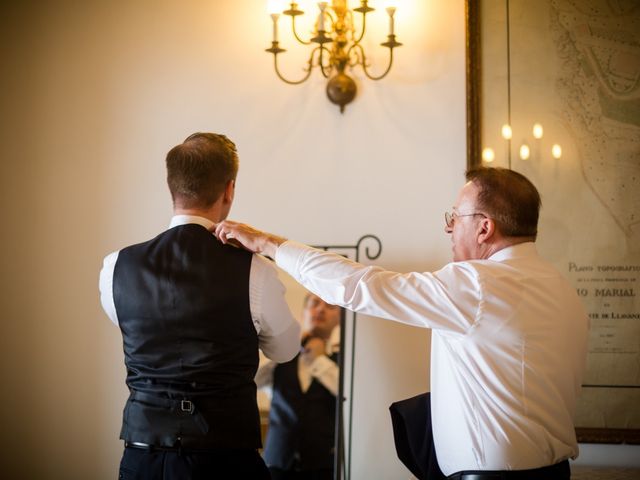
column 554, row 93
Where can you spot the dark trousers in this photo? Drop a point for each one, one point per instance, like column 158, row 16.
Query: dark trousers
column 222, row 464
column 322, row 474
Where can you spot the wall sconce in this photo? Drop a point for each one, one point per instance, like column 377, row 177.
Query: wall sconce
column 525, row 150
column 338, row 46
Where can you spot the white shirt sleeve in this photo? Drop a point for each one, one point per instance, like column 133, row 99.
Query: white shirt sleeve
column 264, row 375
column 278, row 331
column 106, row 286
column 447, row 299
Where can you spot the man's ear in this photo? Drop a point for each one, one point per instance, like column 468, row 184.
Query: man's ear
column 229, row 191
column 486, row 230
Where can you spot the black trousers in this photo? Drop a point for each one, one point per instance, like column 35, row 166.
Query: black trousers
column 322, row 474
column 219, row 464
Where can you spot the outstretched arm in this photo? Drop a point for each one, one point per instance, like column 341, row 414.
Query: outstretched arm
column 447, row 299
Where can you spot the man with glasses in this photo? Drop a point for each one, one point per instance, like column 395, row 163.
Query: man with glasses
column 509, row 334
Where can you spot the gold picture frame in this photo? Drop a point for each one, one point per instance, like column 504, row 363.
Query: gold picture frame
column 587, row 275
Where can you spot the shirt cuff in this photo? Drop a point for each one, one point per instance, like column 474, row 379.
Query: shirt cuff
column 320, row 366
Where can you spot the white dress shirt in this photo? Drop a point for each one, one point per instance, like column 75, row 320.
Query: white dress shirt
column 509, row 347
column 278, row 331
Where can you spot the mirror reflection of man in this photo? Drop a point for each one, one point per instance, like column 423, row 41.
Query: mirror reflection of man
column 193, row 313
column 301, row 435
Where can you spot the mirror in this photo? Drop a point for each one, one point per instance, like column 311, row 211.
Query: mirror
column 368, row 247
column 298, row 400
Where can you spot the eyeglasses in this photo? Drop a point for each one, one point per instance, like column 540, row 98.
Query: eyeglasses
column 450, row 218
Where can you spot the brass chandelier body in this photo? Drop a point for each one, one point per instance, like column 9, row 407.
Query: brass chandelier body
column 338, row 47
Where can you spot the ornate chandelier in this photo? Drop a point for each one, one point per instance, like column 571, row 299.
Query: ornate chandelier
column 336, row 46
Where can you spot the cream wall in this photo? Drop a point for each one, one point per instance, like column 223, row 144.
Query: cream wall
column 92, row 96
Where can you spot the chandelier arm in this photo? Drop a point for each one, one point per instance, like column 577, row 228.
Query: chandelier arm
column 308, row 69
column 356, row 56
column 364, row 65
column 364, row 27
column 332, row 19
column 322, row 67
column 295, row 33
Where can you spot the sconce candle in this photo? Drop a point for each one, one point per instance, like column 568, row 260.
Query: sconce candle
column 488, row 155
column 320, row 25
column 556, row 151
column 391, row 11
column 537, row 131
column 274, row 17
column 507, row 133
column 525, row 151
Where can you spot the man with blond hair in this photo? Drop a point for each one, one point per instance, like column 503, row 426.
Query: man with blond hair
column 193, row 313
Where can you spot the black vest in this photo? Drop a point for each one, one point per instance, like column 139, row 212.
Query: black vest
column 190, row 347
column 301, row 425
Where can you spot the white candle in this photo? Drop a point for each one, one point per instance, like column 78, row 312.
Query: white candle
column 321, row 6
column 274, row 17
column 538, row 131
column 391, row 11
column 488, row 155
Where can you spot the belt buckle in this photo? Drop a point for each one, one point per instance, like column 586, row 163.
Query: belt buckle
column 137, row 445
column 187, row 406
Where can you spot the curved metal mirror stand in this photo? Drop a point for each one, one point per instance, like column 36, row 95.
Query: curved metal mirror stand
column 368, row 247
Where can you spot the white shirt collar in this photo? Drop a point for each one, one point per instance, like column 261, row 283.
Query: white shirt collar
column 178, row 220
column 526, row 249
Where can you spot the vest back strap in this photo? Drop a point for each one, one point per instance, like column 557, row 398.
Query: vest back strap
column 184, row 405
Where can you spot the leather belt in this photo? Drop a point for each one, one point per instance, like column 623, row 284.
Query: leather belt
column 146, row 446
column 559, row 470
column 477, row 476
column 180, row 449
column 157, row 448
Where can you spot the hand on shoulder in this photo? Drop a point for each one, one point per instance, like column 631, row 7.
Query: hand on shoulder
column 245, row 236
